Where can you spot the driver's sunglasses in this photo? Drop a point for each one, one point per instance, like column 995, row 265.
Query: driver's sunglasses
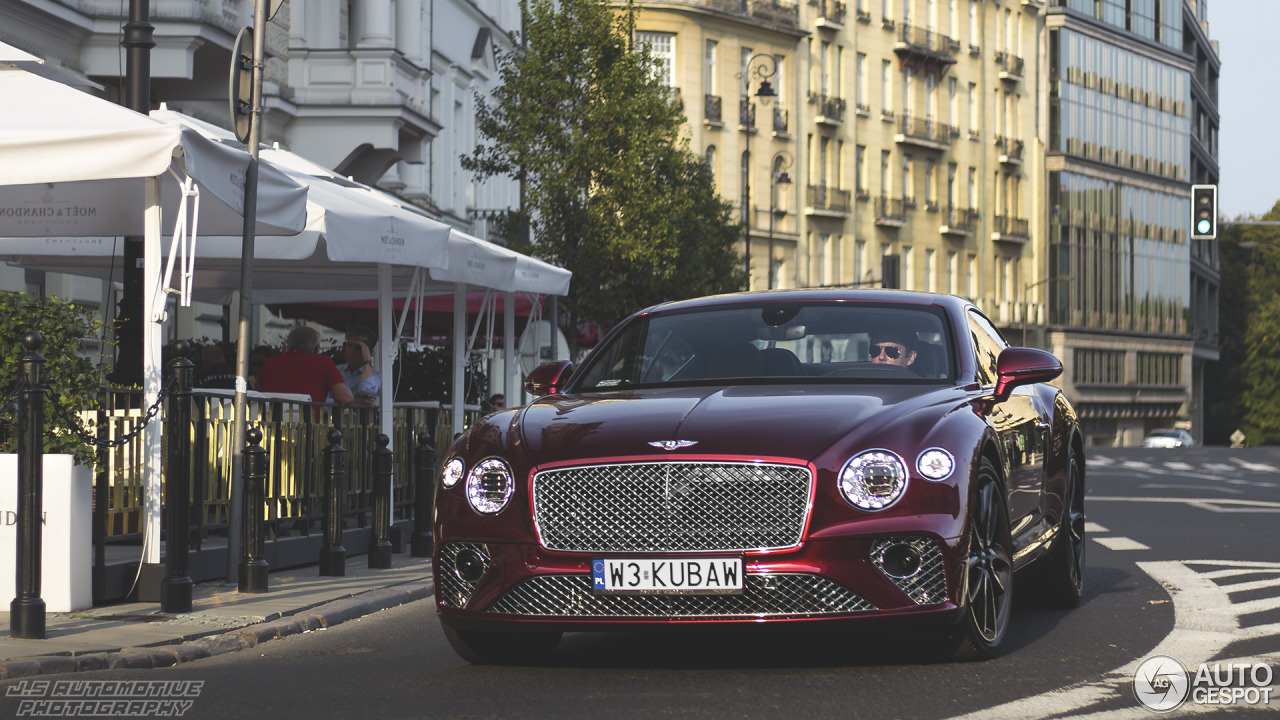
column 893, row 351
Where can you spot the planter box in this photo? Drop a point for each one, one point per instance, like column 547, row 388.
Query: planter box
column 66, row 542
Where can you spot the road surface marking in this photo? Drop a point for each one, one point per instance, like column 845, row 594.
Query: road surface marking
column 1093, row 527
column 1177, row 466
column 1256, row 467
column 1120, row 543
column 1220, row 505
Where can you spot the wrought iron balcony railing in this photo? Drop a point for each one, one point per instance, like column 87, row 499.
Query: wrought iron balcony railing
column 830, row 109
column 890, row 211
column 822, row 197
column 1008, row 227
column 927, row 130
column 712, row 106
column 1010, row 66
column 747, row 114
column 780, row 120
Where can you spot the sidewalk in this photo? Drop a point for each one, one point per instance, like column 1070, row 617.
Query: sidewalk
column 139, row 635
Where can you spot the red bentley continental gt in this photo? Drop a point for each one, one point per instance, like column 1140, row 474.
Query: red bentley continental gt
column 801, row 456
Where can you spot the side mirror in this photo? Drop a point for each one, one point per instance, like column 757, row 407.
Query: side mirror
column 1018, row 366
column 548, row 378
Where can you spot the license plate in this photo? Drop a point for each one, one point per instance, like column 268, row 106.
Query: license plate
column 667, row 576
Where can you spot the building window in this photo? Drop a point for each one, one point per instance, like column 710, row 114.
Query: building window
column 886, row 88
column 860, row 91
column 709, row 68
column 971, row 276
column 1098, row 367
column 953, row 270
column 663, row 47
column 930, row 183
column 860, row 168
column 908, row 181
column 930, row 272
column 1159, row 369
column 908, row 268
column 975, row 122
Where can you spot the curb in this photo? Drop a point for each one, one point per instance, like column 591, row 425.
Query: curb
column 325, row 615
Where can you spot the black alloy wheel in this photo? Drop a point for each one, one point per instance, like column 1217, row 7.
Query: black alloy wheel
column 988, row 583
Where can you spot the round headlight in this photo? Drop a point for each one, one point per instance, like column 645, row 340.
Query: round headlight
column 935, row 464
column 873, row 480
column 452, row 473
column 490, row 486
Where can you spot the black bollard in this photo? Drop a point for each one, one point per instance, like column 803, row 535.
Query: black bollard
column 26, row 611
column 424, row 487
column 380, row 544
column 333, row 556
column 253, row 567
column 175, row 593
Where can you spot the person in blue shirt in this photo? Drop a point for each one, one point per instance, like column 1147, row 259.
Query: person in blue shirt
column 358, row 372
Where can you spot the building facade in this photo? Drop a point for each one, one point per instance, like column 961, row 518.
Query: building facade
column 1120, row 162
column 1034, row 157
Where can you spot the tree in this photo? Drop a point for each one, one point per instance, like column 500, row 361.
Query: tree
column 73, row 381
column 611, row 190
column 1243, row 386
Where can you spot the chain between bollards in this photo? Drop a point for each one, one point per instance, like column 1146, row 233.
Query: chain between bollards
column 176, row 592
column 424, row 465
column 380, row 542
column 333, row 556
column 253, row 567
column 27, row 610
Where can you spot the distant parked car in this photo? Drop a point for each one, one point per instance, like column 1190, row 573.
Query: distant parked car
column 1168, row 439
column 746, row 459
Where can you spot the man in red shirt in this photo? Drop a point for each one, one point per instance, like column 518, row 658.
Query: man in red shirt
column 302, row 369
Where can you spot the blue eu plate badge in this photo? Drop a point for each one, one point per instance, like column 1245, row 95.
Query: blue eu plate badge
column 597, row 574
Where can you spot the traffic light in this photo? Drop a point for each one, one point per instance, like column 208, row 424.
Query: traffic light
column 1204, row 212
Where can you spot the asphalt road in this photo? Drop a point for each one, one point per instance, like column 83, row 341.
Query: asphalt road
column 1182, row 561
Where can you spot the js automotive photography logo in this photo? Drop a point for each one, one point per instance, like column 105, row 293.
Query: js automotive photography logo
column 1162, row 684
column 104, row 698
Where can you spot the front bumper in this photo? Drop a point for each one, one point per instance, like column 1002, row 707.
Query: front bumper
column 844, row 579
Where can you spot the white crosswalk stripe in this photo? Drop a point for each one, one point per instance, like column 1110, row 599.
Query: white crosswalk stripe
column 1256, row 467
column 1206, row 623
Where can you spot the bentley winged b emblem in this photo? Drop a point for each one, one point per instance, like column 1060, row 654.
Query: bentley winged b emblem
column 673, row 444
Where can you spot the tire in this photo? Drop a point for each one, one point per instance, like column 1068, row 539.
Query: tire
column 1060, row 580
column 988, row 582
column 500, row 647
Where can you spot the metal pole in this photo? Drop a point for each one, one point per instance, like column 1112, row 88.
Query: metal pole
column 333, row 556
column 380, row 545
column 175, row 593
column 26, row 611
column 424, row 465
column 239, row 427
column 253, row 568
column 773, row 201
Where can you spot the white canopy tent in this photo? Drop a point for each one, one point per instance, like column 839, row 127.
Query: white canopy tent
column 73, row 165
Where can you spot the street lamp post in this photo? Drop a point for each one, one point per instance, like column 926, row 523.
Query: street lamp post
column 1025, row 289
column 777, row 176
column 760, row 66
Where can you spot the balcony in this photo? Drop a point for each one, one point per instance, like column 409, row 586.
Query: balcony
column 747, row 115
column 923, row 132
column 1010, row 150
column 781, row 119
column 928, row 48
column 1010, row 66
column 1008, row 228
column 864, row 16
column 890, row 212
column 958, row 221
column 863, row 109
column 783, row 13
column 674, row 97
column 830, row 109
column 828, row 201
column 831, row 14
column 712, row 111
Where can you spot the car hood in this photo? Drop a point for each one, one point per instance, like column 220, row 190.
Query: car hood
column 763, row 420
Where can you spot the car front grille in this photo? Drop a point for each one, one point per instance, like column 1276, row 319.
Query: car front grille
column 777, row 594
column 454, row 591
column 672, row 507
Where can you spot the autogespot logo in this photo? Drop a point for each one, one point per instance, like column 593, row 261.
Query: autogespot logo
column 1160, row 683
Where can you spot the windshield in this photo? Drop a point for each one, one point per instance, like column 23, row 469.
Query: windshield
column 777, row 342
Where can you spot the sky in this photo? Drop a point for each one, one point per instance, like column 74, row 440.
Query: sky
column 1248, row 104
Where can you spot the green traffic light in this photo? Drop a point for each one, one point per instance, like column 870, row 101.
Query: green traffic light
column 1203, row 227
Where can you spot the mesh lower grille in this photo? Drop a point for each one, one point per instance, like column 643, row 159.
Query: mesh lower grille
column 672, row 507
column 928, row 586
column 794, row 594
column 453, row 591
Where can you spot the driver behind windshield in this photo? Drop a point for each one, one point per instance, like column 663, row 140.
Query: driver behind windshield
column 893, row 347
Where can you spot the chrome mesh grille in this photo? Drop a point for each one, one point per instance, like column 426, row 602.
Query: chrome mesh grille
column 792, row 594
column 671, row 507
column 453, row 591
column 928, row 586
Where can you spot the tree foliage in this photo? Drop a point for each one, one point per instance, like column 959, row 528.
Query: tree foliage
column 73, row 381
column 1242, row 389
column 611, row 189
